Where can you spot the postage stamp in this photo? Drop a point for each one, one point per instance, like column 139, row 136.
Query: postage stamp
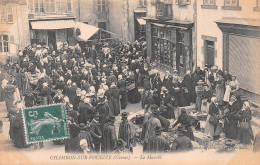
column 45, row 123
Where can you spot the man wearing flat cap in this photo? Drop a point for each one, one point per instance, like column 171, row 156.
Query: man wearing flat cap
column 127, row 131
column 109, row 138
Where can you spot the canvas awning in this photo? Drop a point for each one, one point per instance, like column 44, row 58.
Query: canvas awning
column 141, row 21
column 86, row 31
column 52, row 24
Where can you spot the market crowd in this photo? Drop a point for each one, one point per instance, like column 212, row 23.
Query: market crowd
column 97, row 82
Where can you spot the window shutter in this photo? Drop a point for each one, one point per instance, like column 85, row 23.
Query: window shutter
column 10, row 13
column 47, row 6
column 11, row 38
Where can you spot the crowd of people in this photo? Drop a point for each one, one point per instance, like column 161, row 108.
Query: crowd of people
column 96, row 83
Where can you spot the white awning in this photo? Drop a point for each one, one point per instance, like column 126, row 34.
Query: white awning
column 86, row 31
column 141, row 21
column 160, row 25
column 53, row 24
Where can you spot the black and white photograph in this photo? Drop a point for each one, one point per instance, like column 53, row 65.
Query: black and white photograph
column 140, row 81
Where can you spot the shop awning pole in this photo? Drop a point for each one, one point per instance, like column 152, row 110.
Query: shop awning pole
column 110, row 32
column 100, row 35
column 105, row 39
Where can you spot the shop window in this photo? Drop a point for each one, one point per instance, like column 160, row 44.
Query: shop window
column 7, row 13
column 163, row 11
column 163, row 47
column 257, row 8
column 231, row 5
column 209, row 4
column 4, row 45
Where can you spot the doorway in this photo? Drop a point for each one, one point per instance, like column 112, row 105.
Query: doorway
column 52, row 39
column 209, row 53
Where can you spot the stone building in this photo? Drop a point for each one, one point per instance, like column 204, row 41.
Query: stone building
column 228, row 36
column 122, row 17
column 14, row 33
column 170, row 34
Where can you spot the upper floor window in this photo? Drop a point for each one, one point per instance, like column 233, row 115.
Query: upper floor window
column 101, row 5
column 163, row 10
column 231, row 5
column 50, row 6
column 257, row 8
column 209, row 4
column 231, row 2
column 182, row 2
column 142, row 3
column 6, row 13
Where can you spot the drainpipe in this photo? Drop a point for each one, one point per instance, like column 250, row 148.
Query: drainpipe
column 128, row 23
column 196, row 35
column 18, row 28
column 79, row 9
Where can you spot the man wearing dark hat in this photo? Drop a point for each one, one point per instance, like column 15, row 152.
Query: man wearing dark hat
column 157, row 143
column 96, row 132
column 127, row 131
column 184, row 120
column 84, row 134
column 109, row 136
column 149, row 100
column 182, row 142
column 73, row 113
column 85, row 111
column 74, row 131
column 121, row 84
column 102, row 108
column 112, row 78
column 151, row 124
column 121, row 147
column 164, row 122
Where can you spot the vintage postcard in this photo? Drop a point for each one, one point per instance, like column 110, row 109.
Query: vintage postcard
column 129, row 82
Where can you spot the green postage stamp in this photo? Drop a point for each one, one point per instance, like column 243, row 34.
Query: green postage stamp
column 45, row 123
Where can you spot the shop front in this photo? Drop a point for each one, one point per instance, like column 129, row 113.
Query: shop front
column 169, row 45
column 140, row 24
column 241, row 38
column 52, row 32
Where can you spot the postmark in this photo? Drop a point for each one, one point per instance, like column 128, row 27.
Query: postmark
column 45, row 123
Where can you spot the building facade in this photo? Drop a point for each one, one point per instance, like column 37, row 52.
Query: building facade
column 14, row 33
column 51, row 22
column 228, row 34
column 121, row 17
column 170, row 34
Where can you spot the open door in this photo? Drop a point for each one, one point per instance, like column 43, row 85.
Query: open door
column 52, row 38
